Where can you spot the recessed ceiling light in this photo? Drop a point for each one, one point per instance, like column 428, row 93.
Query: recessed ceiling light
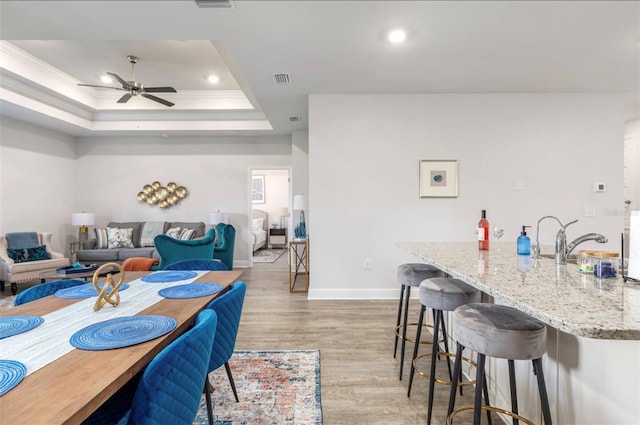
column 106, row 79
column 213, row 79
column 397, row 36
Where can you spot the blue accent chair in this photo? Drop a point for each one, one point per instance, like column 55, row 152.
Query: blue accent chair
column 197, row 265
column 44, row 290
column 225, row 244
column 172, row 250
column 169, row 390
column 228, row 307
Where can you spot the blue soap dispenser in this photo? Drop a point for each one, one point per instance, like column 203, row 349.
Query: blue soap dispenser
column 524, row 243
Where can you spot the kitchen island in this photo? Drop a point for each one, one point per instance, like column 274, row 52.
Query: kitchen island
column 592, row 364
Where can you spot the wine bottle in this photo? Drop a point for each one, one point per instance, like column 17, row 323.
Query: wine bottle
column 483, row 232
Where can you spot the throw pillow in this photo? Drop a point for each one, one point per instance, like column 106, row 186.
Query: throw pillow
column 22, row 255
column 19, row 255
column 186, row 234
column 150, row 230
column 174, row 232
column 119, row 238
column 102, row 240
column 37, row 253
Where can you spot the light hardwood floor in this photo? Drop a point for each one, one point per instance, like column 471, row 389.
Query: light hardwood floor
column 358, row 372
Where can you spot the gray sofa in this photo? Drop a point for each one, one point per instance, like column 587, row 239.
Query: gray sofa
column 90, row 255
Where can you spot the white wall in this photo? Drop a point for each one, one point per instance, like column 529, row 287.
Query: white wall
column 37, row 178
column 112, row 170
column 363, row 175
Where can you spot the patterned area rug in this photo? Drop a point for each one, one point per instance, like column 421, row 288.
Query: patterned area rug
column 274, row 387
column 267, row 255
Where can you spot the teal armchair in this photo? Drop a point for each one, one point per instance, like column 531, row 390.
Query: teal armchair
column 225, row 243
column 172, row 250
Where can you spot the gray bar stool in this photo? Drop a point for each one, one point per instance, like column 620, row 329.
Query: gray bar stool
column 409, row 274
column 502, row 332
column 440, row 294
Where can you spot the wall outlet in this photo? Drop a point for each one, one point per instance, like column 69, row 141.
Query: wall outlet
column 589, row 211
column 367, row 264
column 599, row 187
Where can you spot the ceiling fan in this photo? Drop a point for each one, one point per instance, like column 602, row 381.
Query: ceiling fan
column 134, row 88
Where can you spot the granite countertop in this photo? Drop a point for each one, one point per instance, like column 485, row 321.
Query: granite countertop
column 561, row 296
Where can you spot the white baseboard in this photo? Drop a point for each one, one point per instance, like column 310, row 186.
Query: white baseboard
column 356, row 294
column 242, row 264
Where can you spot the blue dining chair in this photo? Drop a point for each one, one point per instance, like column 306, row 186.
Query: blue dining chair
column 170, row 389
column 44, row 290
column 197, row 265
column 228, row 307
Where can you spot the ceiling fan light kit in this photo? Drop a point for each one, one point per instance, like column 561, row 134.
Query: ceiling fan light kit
column 134, row 88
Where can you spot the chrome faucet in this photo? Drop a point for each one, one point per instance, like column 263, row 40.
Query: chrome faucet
column 563, row 250
column 536, row 247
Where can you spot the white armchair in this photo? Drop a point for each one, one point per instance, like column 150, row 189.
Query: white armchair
column 15, row 272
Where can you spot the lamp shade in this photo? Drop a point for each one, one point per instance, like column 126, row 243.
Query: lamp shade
column 218, row 217
column 299, row 202
column 283, row 212
column 83, row 219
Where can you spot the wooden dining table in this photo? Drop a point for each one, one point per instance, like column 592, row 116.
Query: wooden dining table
column 70, row 388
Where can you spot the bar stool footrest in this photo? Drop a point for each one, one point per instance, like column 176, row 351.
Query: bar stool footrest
column 409, row 339
column 490, row 409
column 442, row 381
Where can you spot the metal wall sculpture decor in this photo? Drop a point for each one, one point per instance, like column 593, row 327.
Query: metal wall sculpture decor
column 162, row 196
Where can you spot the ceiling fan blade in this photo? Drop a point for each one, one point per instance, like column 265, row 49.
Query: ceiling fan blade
column 160, row 90
column 100, row 87
column 157, row 99
column 125, row 84
column 125, row 98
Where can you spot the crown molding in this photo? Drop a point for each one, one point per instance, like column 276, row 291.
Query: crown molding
column 184, row 100
column 43, row 75
column 140, row 125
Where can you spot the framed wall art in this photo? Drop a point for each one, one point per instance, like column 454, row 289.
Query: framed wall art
column 438, row 178
column 257, row 189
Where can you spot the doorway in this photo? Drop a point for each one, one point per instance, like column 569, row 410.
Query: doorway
column 270, row 206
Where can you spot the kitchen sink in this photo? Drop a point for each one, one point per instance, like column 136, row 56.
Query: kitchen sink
column 572, row 258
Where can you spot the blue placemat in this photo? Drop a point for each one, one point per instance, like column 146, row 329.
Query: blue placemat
column 11, row 374
column 169, row 276
column 83, row 291
column 122, row 332
column 191, row 290
column 14, row 325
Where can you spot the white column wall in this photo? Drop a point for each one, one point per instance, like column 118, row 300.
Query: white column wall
column 37, row 177
column 363, row 174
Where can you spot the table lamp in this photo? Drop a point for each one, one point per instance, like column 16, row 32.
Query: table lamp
column 218, row 217
column 84, row 220
column 284, row 215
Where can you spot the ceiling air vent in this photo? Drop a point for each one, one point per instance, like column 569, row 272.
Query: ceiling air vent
column 217, row 4
column 294, row 119
column 282, row 78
